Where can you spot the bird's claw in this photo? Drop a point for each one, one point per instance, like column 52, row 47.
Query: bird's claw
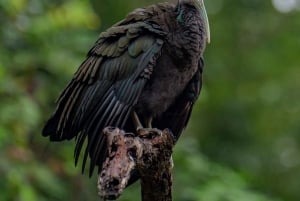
column 149, row 132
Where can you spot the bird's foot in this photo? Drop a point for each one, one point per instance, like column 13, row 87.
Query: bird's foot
column 148, row 132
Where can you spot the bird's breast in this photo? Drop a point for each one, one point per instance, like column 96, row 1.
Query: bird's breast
column 167, row 82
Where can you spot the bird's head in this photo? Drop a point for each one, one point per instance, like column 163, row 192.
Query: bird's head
column 199, row 4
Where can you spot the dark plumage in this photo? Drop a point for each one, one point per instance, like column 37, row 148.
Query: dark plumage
column 149, row 63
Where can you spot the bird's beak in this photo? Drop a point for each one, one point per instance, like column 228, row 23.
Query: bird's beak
column 200, row 6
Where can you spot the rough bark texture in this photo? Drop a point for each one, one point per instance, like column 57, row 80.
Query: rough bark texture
column 148, row 152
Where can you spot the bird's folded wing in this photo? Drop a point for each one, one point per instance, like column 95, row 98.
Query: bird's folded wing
column 106, row 86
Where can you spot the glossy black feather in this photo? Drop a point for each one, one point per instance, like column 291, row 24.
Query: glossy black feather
column 104, row 97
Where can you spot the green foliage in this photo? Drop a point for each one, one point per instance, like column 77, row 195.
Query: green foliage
column 242, row 143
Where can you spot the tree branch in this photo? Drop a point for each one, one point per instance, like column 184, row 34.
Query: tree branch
column 148, row 152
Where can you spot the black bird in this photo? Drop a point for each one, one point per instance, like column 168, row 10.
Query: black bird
column 146, row 70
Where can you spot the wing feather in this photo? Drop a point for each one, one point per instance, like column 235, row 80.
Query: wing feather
column 105, row 88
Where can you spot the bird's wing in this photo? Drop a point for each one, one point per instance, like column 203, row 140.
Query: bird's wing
column 177, row 116
column 106, row 86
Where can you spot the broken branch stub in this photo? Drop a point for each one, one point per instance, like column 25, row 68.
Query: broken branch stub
column 148, row 152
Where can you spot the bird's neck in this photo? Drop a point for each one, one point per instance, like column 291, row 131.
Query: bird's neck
column 187, row 36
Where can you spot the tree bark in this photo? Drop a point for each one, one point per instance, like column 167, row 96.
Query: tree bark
column 148, row 152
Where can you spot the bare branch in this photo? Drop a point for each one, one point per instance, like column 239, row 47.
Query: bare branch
column 148, row 152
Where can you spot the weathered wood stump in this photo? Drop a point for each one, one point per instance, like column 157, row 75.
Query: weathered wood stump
column 148, row 152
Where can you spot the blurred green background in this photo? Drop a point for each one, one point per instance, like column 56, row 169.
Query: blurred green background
column 242, row 143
